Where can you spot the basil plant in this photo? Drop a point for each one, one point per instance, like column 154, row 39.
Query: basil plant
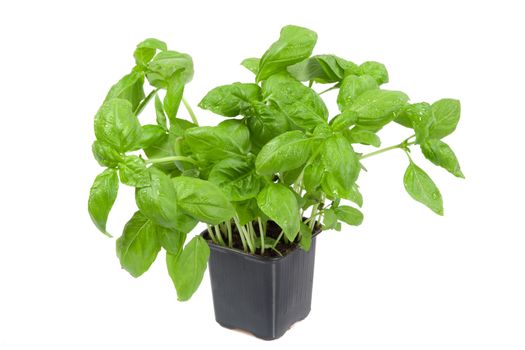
column 275, row 158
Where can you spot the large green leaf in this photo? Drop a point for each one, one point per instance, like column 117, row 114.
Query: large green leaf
column 439, row 153
column 138, row 246
column 266, row 123
column 171, row 240
column 445, row 117
column 202, row 200
column 130, row 88
column 146, row 50
column 105, row 154
column 133, row 172
column 279, row 203
column 285, row 152
column 102, row 197
column 187, row 269
column 341, row 166
column 349, row 215
column 294, row 45
column 167, row 66
column 376, row 70
column 252, row 64
column 421, row 187
column 231, row 100
column 377, row 108
column 321, row 69
column 351, row 87
column 230, row 138
column 300, row 104
column 236, row 178
column 158, row 202
column 117, row 126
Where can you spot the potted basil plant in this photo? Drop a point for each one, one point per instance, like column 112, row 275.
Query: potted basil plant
column 272, row 174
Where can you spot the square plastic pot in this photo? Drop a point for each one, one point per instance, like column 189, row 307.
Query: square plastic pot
column 261, row 295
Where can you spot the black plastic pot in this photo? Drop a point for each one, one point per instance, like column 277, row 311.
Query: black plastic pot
column 262, row 295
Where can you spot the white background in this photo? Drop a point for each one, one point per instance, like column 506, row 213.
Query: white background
column 405, row 279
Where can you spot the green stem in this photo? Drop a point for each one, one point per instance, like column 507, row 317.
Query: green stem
column 278, row 239
column 241, row 233
column 145, row 102
column 218, row 235
column 402, row 145
column 212, row 236
column 229, row 228
column 329, row 89
column 171, row 159
column 190, row 111
column 261, row 233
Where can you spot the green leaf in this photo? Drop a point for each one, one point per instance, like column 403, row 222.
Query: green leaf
column 266, row 123
column 133, row 172
column 313, row 175
column 105, row 154
column 158, row 202
column 363, row 136
column 341, row 166
column 159, row 111
column 442, row 155
column 351, row 87
column 330, row 219
column 246, row 211
column 129, row 88
column 117, row 126
column 377, row 108
column 151, row 135
column 101, row 198
column 279, row 203
column 187, row 269
column 306, row 237
column 231, row 138
column 376, row 70
column 171, row 240
column 445, row 115
column 252, row 64
column 321, row 69
column 202, row 200
column 231, row 100
column 173, row 98
column 236, row 178
column 344, row 120
column 138, row 246
column 294, row 45
column 285, row 152
column 300, row 104
column 421, row 187
column 146, row 50
column 356, row 196
column 168, row 66
column 349, row 215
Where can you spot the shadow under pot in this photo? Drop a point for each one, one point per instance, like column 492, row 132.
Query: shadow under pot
column 259, row 294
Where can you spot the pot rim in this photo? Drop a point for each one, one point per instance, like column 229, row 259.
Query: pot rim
column 255, row 256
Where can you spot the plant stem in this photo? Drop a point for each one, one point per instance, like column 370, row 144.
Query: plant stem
column 212, row 236
column 278, row 239
column 241, row 233
column 261, row 233
column 171, row 159
column 145, row 102
column 190, row 111
column 229, row 227
column 402, row 145
column 219, row 236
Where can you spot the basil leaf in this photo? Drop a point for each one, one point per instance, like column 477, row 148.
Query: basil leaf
column 294, row 45
column 187, row 269
column 171, row 240
column 300, row 104
column 236, row 178
column 158, row 202
column 329, row 220
column 231, row 100
column 159, row 111
column 349, row 215
column 321, row 69
column 138, row 246
column 133, row 172
column 363, row 136
column 377, row 108
column 341, row 166
column 279, row 203
column 376, row 70
column 151, row 135
column 442, row 155
column 344, row 120
column 252, row 64
column 306, row 237
column 231, row 138
column 421, row 187
column 356, row 196
column 247, row 210
column 313, row 175
column 105, row 154
column 285, row 152
column 351, row 87
column 445, row 115
column 129, row 88
column 146, row 50
column 102, row 197
column 266, row 123
column 173, row 98
column 202, row 200
column 117, row 126
column 168, row 66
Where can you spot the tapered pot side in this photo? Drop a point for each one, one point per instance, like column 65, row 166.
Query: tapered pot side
column 261, row 295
